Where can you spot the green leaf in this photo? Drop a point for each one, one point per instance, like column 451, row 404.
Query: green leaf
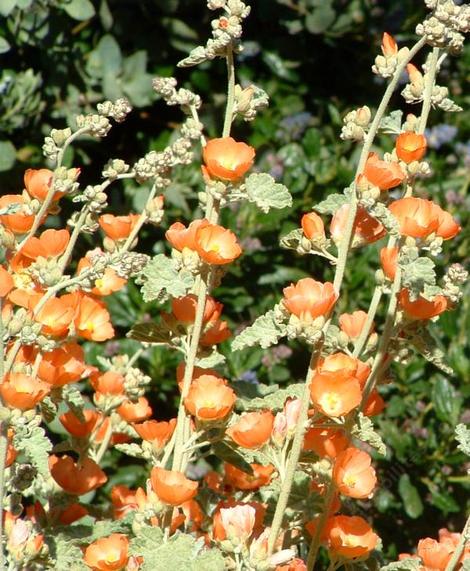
column 228, row 454
column 462, row 435
column 149, row 333
column 409, row 494
column 7, row 155
column 162, row 279
column 426, row 345
column 74, row 400
column 110, row 54
column 383, row 215
column 7, row 6
column 80, row 9
column 331, row 204
column 266, row 193
column 210, row 361
column 265, row 331
column 410, row 564
column 445, row 502
column 318, row 21
column 274, row 400
column 132, row 449
column 416, row 274
column 149, row 538
column 364, row 430
column 446, row 402
column 391, row 124
column 292, row 240
column 105, row 15
column 68, row 556
column 33, row 442
column 4, row 45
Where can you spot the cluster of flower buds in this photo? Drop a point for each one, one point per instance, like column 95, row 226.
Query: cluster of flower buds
column 166, row 87
column 356, row 123
column 249, row 101
column 226, row 32
column 386, row 64
column 414, row 91
column 446, row 26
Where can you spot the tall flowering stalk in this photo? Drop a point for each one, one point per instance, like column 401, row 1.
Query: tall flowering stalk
column 242, row 514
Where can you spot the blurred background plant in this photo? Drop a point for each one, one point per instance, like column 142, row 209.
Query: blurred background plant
column 58, row 58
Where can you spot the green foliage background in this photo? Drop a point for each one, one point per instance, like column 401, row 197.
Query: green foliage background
column 59, row 58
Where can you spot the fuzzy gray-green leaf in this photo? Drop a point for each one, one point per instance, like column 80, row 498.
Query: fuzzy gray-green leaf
column 162, row 279
column 266, row 193
column 265, row 331
column 462, row 435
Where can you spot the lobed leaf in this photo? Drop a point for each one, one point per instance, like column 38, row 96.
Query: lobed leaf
column 35, row 445
column 149, row 333
column 417, row 273
column 265, row 331
column 364, row 430
column 266, row 193
column 332, row 203
column 162, row 279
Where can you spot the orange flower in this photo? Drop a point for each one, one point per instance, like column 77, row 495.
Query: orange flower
column 72, row 513
column 422, row 308
column 11, row 452
column 6, row 282
column 22, row 391
column 349, row 537
column 382, row 174
column 184, row 309
column 92, row 321
column 109, row 282
column 374, row 404
column 353, row 323
column 109, row 383
column 76, row 478
column 389, row 45
column 227, row 159
column 216, row 245
column 353, row 473
column 236, row 478
column 158, row 433
column 294, row 565
column 56, row 316
column 63, row 365
column 215, row 332
column 77, row 427
column 335, row 396
column 172, row 487
column 325, row 441
column 312, row 226
column 309, row 299
column 108, row 553
column 118, row 227
column 135, row 411
column 181, row 237
column 38, row 182
column 197, row 372
column 344, row 366
column 388, row 259
column 416, row 77
column 435, row 555
column 126, row 500
column 366, row 228
column 447, row 227
column 220, row 531
column 417, row 218
column 50, row 244
column 253, row 429
column 410, row 146
column 19, row 222
column 209, row 398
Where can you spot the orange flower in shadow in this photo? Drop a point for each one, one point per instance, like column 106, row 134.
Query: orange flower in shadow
column 92, row 320
column 422, row 308
column 172, row 487
column 20, row 221
column 77, row 427
column 325, row 442
column 38, row 182
column 181, row 237
column 155, row 432
column 389, row 259
column 227, row 159
column 312, row 226
column 76, row 478
column 6, row 282
column 63, row 365
column 240, row 480
column 135, row 411
column 353, row 323
column 184, row 309
column 118, row 227
column 56, row 316
column 417, row 218
column 367, row 229
column 382, row 174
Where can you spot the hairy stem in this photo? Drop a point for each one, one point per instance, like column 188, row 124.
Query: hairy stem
column 338, row 280
column 230, row 93
column 316, row 539
column 374, row 304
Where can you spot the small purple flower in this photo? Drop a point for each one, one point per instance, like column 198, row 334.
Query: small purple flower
column 292, row 127
column 250, row 377
column 440, row 135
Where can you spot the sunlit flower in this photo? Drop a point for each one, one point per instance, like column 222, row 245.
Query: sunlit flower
column 384, row 175
column 410, row 146
column 422, row 308
column 309, row 299
column 367, row 229
column 253, row 429
column 22, row 391
column 216, row 245
column 312, row 226
column 118, row 227
column 209, row 398
column 349, row 536
column 108, row 553
column 227, row 159
column 172, row 487
column 353, row 323
column 353, row 474
column 76, row 478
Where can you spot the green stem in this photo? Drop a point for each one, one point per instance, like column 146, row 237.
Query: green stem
column 3, row 456
column 374, row 304
column 230, row 93
column 105, row 443
column 427, row 95
column 338, row 280
column 316, row 539
column 464, row 538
